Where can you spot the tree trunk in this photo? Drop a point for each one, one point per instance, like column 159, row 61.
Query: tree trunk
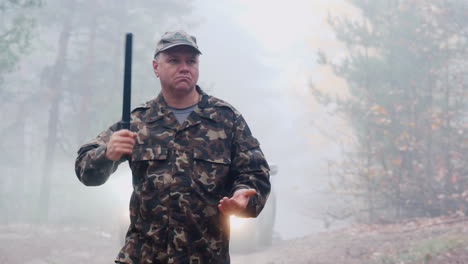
column 88, row 77
column 55, row 88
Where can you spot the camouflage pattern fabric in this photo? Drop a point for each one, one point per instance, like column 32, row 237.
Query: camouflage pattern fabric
column 175, row 38
column 182, row 172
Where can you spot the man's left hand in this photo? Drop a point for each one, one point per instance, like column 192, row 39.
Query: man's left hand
column 237, row 203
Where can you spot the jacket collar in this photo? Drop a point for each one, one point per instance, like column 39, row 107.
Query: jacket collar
column 158, row 109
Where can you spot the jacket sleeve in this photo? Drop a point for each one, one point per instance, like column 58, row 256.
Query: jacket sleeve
column 249, row 168
column 91, row 166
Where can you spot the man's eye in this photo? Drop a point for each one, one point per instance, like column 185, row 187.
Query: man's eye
column 172, row 60
column 191, row 61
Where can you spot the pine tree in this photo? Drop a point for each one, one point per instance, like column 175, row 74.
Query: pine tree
column 407, row 106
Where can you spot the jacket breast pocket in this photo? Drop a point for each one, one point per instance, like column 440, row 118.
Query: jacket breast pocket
column 211, row 171
column 148, row 161
column 149, row 152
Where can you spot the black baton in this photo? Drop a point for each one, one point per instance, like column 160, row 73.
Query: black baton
column 127, row 89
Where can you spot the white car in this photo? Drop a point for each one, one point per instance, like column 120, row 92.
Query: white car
column 247, row 234
column 250, row 234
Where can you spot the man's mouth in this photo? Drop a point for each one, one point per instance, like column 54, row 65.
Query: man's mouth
column 183, row 78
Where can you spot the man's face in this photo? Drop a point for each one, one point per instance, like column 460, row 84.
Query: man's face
column 177, row 69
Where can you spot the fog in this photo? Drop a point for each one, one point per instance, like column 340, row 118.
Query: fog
column 256, row 65
column 275, row 62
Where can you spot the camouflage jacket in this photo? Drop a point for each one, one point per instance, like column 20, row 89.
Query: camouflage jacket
column 181, row 172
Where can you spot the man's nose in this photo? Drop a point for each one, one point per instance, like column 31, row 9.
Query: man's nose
column 184, row 66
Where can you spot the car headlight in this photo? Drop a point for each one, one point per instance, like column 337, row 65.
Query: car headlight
column 237, row 223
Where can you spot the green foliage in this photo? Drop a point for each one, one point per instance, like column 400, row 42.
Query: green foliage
column 18, row 4
column 68, row 88
column 15, row 33
column 406, row 72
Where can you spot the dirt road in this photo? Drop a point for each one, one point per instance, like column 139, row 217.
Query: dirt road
column 417, row 241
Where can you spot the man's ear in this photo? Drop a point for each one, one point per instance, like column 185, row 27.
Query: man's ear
column 155, row 68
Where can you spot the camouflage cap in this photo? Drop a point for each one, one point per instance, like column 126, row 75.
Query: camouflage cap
column 175, row 38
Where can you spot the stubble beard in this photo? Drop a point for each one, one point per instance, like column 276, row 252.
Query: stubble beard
column 177, row 95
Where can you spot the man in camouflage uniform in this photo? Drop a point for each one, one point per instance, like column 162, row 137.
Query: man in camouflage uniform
column 195, row 162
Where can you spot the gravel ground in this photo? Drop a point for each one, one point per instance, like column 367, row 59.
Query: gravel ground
column 425, row 241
